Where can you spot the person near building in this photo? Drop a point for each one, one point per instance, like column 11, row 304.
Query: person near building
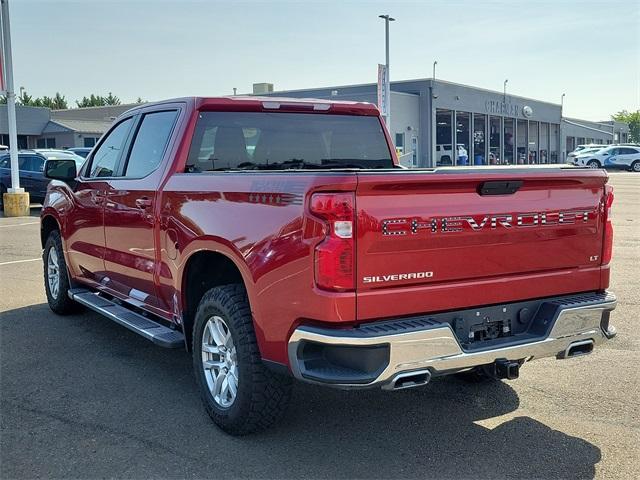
column 463, row 157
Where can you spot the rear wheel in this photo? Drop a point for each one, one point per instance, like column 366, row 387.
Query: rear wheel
column 3, row 190
column 635, row 166
column 593, row 164
column 56, row 277
column 239, row 393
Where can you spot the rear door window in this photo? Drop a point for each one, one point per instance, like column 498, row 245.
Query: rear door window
column 35, row 164
column 275, row 141
column 105, row 159
column 150, row 143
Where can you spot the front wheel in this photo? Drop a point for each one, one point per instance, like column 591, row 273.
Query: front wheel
column 239, row 393
column 56, row 278
column 593, row 164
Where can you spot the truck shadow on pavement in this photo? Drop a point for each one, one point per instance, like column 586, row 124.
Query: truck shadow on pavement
column 83, row 397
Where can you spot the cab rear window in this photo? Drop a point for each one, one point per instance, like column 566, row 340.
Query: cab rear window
column 277, row 141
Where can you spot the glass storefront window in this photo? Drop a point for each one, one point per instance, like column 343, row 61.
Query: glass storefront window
column 582, row 142
column 463, row 135
column 479, row 139
column 533, row 143
column 494, row 140
column 554, row 141
column 544, row 143
column 521, row 142
column 444, row 137
column 509, row 131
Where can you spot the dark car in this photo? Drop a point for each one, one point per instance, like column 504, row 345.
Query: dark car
column 31, row 165
column 82, row 151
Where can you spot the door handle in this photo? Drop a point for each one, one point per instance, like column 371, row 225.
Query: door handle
column 144, row 202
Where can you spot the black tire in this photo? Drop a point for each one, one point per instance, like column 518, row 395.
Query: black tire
column 262, row 395
column 594, row 164
column 635, row 166
column 3, row 190
column 60, row 303
column 477, row 375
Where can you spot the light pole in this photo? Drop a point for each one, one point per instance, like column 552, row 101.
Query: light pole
column 505, row 88
column 564, row 152
column 17, row 203
column 387, row 85
column 434, row 69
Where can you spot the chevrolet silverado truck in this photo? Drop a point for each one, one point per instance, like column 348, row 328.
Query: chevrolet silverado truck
column 279, row 239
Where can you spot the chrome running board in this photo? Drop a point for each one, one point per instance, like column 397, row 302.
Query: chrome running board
column 154, row 331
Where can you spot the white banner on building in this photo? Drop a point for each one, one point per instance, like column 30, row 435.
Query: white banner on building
column 383, row 95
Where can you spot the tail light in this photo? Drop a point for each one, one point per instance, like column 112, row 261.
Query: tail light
column 335, row 255
column 607, row 247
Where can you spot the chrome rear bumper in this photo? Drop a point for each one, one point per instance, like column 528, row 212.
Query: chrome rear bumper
column 578, row 320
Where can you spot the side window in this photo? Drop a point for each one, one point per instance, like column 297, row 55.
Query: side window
column 150, row 143
column 628, row 151
column 105, row 159
column 36, row 164
column 5, row 162
column 23, row 162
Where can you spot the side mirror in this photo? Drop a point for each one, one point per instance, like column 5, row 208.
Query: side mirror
column 64, row 170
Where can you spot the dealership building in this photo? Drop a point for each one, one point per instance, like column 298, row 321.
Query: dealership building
column 434, row 122
column 430, row 120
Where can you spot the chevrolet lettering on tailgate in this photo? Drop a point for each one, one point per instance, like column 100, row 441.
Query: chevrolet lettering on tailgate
column 415, row 225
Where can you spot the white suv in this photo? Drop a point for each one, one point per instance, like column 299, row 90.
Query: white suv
column 614, row 156
column 572, row 156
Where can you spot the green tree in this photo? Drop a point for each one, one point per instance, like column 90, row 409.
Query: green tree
column 90, row 101
column 58, row 102
column 111, row 99
column 633, row 120
column 25, row 99
column 98, row 100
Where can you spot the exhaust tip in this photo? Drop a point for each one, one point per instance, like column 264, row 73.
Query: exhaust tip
column 576, row 349
column 410, row 380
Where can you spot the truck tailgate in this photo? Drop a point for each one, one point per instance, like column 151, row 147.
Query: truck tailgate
column 433, row 241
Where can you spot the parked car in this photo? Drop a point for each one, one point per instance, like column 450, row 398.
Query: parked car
column 571, row 157
column 32, row 179
column 82, row 151
column 614, row 156
column 314, row 256
column 54, row 154
column 444, row 155
column 584, row 146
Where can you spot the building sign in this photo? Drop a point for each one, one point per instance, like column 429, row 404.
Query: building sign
column 507, row 108
column 383, row 94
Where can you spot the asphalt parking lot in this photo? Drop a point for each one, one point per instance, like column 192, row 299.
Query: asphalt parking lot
column 82, row 397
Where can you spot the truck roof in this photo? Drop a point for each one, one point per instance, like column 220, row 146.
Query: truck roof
column 256, row 103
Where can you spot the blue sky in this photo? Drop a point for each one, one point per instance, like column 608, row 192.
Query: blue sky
column 160, row 49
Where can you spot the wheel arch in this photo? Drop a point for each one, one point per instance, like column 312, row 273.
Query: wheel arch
column 204, row 269
column 48, row 224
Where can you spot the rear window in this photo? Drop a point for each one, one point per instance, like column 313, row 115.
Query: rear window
column 275, row 141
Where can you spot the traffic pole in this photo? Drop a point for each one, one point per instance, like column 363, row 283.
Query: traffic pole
column 16, row 200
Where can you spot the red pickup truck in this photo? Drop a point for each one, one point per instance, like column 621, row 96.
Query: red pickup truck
column 279, row 239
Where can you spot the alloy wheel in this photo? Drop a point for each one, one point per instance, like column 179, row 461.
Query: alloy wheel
column 53, row 272
column 220, row 361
